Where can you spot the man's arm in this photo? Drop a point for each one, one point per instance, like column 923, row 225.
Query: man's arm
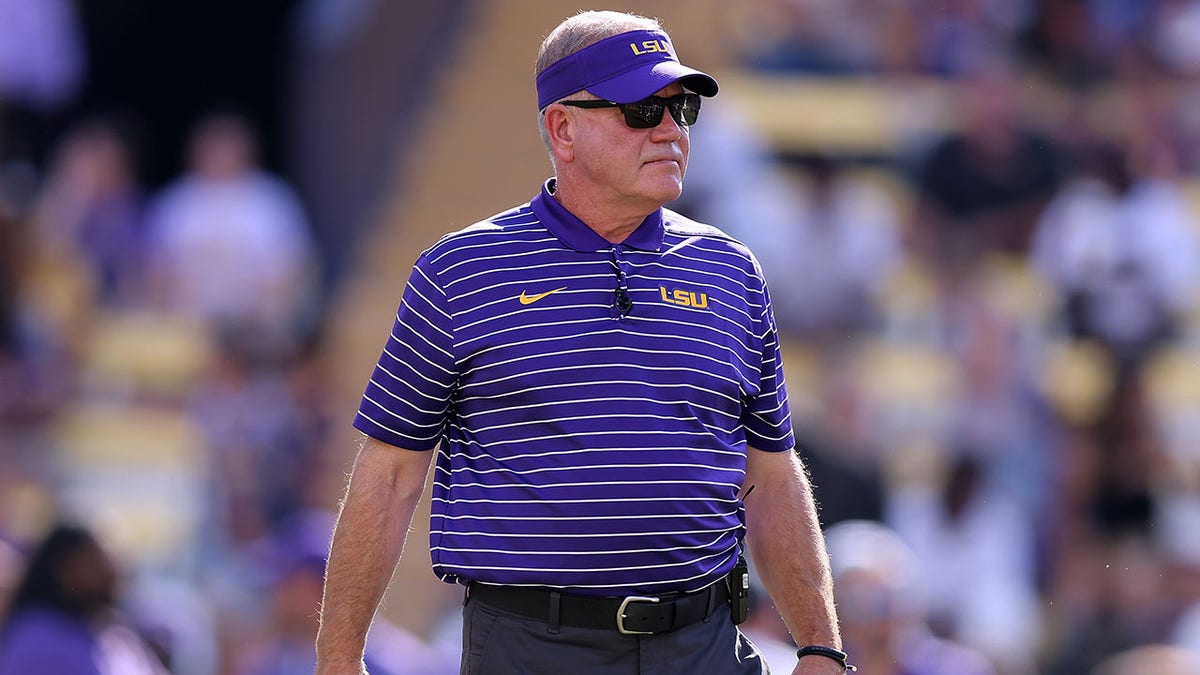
column 371, row 527
column 788, row 548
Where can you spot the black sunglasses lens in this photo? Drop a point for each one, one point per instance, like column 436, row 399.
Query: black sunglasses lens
column 649, row 113
column 685, row 108
column 644, row 114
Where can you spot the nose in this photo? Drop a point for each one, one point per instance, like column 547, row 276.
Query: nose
column 667, row 129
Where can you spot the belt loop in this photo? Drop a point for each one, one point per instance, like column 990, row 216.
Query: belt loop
column 555, row 613
column 467, row 594
column 712, row 601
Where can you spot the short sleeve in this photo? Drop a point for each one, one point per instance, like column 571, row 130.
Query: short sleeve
column 407, row 400
column 767, row 417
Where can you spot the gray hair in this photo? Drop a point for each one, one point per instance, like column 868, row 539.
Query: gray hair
column 582, row 30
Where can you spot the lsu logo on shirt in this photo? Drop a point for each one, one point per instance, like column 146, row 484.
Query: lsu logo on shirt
column 650, row 47
column 683, row 298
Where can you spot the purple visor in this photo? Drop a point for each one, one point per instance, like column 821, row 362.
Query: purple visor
column 623, row 69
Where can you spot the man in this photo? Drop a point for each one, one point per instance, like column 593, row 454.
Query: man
column 603, row 377
column 292, row 557
column 63, row 616
column 882, row 605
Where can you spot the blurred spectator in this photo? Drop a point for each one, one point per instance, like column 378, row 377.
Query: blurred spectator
column 1110, row 597
column 820, row 36
column 1110, row 570
column 264, row 418
column 89, row 213
column 1061, row 37
column 975, row 551
column 836, row 444
column 41, row 67
column 1176, row 36
column 230, row 243
column 1111, row 590
column 827, row 261
column 880, row 600
column 1187, row 631
column 980, row 189
column 12, row 250
column 734, row 180
column 1177, row 511
column 1119, row 243
column 768, row 632
column 827, row 239
column 959, row 36
column 292, row 560
column 943, row 37
column 999, row 412
column 11, row 563
column 177, row 619
column 1129, row 460
column 32, row 376
column 1154, row 658
column 63, row 615
column 848, row 478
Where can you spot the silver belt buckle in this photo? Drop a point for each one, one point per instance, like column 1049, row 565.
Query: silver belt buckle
column 621, row 615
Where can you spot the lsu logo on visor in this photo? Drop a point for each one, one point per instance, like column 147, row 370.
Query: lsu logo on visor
column 683, row 298
column 650, row 47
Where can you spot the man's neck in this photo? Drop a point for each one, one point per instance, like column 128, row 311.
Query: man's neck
column 610, row 218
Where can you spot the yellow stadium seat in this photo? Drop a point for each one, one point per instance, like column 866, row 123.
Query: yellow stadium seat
column 147, row 352
column 137, row 473
column 1077, row 379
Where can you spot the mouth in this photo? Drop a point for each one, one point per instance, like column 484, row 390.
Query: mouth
column 662, row 161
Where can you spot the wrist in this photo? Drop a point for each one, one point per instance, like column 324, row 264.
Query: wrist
column 348, row 666
column 339, row 661
column 830, row 653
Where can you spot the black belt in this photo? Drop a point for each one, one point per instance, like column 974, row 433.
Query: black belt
column 631, row 615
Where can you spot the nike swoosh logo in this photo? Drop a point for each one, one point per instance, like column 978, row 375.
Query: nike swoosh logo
column 530, row 299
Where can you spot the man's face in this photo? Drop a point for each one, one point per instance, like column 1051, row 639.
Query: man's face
column 89, row 579
column 642, row 167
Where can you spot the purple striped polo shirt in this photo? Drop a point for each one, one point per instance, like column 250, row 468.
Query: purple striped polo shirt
column 586, row 444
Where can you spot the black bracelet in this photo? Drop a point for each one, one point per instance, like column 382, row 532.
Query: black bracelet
column 829, row 653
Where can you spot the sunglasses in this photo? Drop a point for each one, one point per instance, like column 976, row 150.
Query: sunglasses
column 648, row 112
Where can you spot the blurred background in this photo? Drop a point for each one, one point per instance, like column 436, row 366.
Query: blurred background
column 980, row 220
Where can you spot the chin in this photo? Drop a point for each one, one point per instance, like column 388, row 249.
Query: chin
column 661, row 197
column 665, row 189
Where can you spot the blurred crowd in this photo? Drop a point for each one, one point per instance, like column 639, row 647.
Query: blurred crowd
column 163, row 403
column 162, row 395
column 992, row 339
column 992, row 325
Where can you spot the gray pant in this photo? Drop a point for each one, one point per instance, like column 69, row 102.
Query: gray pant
column 499, row 643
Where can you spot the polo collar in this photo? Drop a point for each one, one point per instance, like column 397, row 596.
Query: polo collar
column 573, row 232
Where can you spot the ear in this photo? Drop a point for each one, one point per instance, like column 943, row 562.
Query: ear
column 560, row 129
